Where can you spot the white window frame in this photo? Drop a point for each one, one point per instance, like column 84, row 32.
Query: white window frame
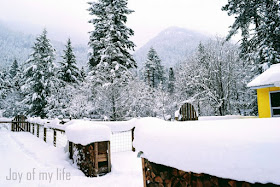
column 271, row 108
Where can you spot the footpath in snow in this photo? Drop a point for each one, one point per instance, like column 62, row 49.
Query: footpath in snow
column 26, row 160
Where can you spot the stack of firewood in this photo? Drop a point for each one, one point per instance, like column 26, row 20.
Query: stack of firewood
column 156, row 175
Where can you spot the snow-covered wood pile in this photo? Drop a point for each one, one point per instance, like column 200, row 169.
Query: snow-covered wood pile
column 238, row 149
column 89, row 146
column 85, row 132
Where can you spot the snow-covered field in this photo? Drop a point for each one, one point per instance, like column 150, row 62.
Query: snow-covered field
column 28, row 158
column 228, row 147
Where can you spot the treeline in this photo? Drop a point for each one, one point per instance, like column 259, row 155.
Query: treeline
column 213, row 79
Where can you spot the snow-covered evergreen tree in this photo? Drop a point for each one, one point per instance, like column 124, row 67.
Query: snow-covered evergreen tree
column 14, row 69
column 171, row 81
column 109, row 60
column 153, row 70
column 109, row 22
column 68, row 70
column 83, row 73
column 39, row 76
column 259, row 23
column 15, row 95
column 5, row 88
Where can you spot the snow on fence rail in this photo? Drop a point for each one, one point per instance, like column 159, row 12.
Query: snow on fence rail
column 53, row 132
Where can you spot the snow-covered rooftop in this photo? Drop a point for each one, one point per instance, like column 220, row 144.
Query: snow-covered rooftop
column 239, row 149
column 269, row 78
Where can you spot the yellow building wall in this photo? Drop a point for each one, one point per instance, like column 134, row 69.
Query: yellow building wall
column 264, row 101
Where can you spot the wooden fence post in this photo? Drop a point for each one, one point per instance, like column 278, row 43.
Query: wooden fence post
column 71, row 150
column 132, row 137
column 33, row 130
column 96, row 157
column 54, row 138
column 38, row 130
column 109, row 156
column 45, row 134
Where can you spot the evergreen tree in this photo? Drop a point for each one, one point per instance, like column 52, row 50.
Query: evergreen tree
column 13, row 104
column 39, row 76
column 171, row 81
column 109, row 60
column 14, row 69
column 5, row 87
column 69, row 71
column 259, row 22
column 154, row 73
column 110, row 32
column 83, row 73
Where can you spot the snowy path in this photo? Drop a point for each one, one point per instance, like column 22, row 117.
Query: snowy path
column 35, row 163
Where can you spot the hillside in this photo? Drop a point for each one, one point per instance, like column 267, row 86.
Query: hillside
column 16, row 45
column 172, row 46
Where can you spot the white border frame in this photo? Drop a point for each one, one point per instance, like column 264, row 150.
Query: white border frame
column 271, row 111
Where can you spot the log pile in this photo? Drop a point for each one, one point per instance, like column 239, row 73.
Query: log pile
column 156, row 175
column 93, row 159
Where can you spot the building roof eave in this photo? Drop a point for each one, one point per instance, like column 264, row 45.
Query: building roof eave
column 262, row 86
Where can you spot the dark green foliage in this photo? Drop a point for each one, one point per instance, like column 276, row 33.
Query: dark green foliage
column 110, row 60
column 259, row 23
column 111, row 34
column 14, row 69
column 69, row 71
column 171, row 81
column 39, row 76
column 154, row 72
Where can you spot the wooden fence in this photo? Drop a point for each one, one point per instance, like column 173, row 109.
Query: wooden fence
column 121, row 141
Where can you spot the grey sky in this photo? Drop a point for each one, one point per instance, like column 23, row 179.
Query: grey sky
column 69, row 17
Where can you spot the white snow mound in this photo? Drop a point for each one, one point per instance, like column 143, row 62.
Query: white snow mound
column 239, row 149
column 86, row 132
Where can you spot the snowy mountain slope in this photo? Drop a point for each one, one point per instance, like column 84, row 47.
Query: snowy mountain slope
column 172, row 45
column 13, row 45
column 17, row 45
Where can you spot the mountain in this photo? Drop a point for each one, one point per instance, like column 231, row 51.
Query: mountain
column 14, row 45
column 17, row 45
column 173, row 45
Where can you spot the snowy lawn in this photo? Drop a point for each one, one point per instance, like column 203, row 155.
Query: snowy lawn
column 32, row 162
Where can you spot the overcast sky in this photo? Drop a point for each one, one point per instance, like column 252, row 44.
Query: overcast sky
column 64, row 18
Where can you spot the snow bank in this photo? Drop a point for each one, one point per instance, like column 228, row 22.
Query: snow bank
column 269, row 77
column 240, row 149
column 86, row 132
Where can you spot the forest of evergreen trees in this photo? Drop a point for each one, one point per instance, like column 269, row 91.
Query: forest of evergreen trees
column 213, row 79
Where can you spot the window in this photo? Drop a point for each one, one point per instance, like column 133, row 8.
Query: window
column 275, row 103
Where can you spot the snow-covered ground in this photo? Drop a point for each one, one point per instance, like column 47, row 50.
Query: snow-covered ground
column 28, row 158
